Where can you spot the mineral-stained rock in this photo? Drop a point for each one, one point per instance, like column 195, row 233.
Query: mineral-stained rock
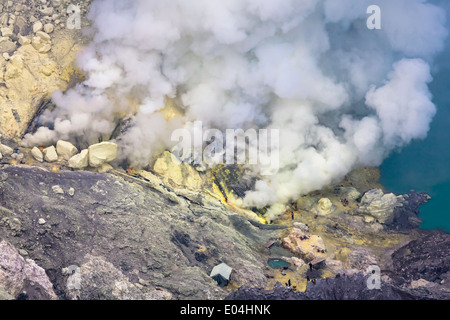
column 106, row 167
column 79, row 161
column 37, row 154
column 41, row 42
column 48, row 28
column 37, row 26
column 379, row 205
column 26, row 88
column 102, row 153
column 305, row 246
column 6, row 32
column 50, row 154
column 23, row 40
column 65, row 149
column 48, row 11
column 324, row 207
column 306, row 203
column 5, row 150
column 349, row 193
column 18, row 275
column 44, row 36
column 177, row 173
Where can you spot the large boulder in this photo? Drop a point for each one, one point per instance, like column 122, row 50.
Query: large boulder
column 5, row 150
column 79, row 161
column 379, row 205
column 102, row 153
column 324, row 207
column 37, row 154
column 65, row 149
column 348, row 193
column 50, row 154
column 307, row 247
column 306, row 203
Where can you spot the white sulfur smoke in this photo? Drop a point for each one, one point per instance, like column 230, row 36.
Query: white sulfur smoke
column 342, row 95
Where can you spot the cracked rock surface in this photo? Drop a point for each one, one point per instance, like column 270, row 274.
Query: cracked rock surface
column 145, row 245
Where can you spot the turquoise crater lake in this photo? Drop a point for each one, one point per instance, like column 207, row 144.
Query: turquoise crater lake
column 424, row 165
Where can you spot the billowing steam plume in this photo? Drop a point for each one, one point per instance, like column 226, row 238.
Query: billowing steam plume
column 342, row 95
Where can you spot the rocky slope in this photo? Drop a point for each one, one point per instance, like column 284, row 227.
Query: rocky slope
column 37, row 58
column 129, row 240
column 125, row 237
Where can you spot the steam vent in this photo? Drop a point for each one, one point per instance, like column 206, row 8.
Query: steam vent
column 223, row 150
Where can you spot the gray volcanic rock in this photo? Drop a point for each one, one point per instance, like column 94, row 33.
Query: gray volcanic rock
column 379, row 205
column 405, row 217
column 79, row 161
column 102, row 153
column 156, row 244
column 22, row 276
column 65, row 149
column 426, row 258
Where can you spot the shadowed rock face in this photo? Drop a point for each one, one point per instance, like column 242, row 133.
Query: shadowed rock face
column 340, row 288
column 157, row 246
column 426, row 258
column 406, row 215
column 344, row 287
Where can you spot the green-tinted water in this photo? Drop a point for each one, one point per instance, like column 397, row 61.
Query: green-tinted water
column 425, row 165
